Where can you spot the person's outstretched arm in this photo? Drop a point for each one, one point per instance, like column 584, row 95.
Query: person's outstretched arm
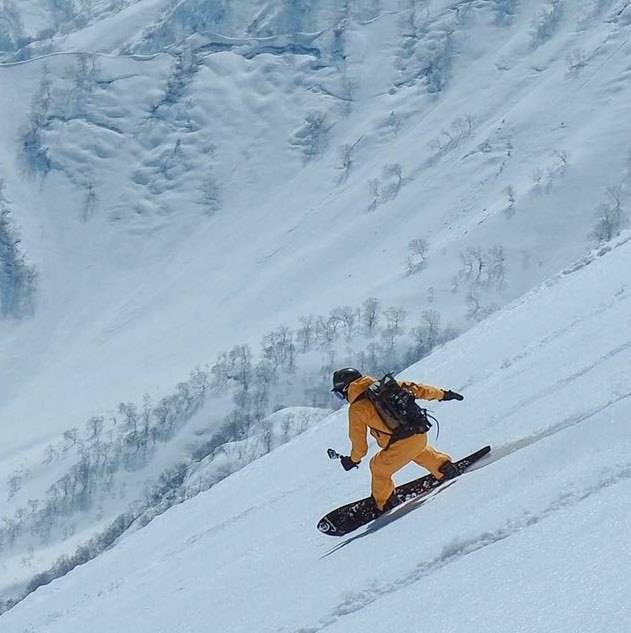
column 427, row 392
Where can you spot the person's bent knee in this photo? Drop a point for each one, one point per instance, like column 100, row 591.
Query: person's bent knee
column 372, row 464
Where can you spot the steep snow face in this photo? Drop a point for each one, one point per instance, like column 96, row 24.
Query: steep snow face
column 184, row 178
column 484, row 133
column 533, row 539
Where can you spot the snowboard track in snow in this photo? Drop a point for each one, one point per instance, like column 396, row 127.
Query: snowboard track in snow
column 457, row 549
column 511, row 447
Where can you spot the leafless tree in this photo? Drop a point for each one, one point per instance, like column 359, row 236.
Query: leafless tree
column 370, row 315
column 610, row 216
column 417, row 255
column 576, row 61
column 345, row 159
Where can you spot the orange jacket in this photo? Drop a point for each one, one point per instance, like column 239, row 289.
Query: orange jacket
column 362, row 414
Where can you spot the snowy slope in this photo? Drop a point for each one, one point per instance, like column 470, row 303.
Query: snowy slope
column 533, row 540
column 196, row 178
column 113, row 287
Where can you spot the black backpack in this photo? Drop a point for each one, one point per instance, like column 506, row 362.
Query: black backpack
column 397, row 408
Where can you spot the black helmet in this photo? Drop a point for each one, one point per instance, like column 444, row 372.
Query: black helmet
column 342, row 378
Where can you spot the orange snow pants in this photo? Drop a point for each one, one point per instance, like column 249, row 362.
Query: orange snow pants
column 387, row 461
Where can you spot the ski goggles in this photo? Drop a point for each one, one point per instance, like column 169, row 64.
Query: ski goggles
column 339, row 394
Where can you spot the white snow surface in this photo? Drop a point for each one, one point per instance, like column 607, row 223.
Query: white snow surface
column 186, row 210
column 532, row 540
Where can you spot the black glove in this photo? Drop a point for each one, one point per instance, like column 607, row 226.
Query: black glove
column 448, row 394
column 348, row 463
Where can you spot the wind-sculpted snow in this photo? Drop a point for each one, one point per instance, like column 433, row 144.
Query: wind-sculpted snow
column 282, row 188
column 262, row 21
column 29, row 27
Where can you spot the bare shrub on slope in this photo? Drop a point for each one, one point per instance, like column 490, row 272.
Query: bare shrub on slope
column 18, row 279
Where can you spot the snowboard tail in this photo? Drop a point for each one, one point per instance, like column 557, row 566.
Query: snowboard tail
column 353, row 515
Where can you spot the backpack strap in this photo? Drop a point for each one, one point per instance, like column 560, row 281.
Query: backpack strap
column 364, row 396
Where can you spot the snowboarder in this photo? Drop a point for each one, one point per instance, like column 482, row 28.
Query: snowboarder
column 397, row 449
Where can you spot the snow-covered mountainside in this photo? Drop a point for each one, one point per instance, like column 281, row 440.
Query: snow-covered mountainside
column 206, row 207
column 533, row 540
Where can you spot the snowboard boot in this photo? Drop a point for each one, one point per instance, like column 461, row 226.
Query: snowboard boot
column 449, row 470
column 392, row 502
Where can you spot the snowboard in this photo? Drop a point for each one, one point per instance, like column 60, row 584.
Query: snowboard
column 353, row 515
